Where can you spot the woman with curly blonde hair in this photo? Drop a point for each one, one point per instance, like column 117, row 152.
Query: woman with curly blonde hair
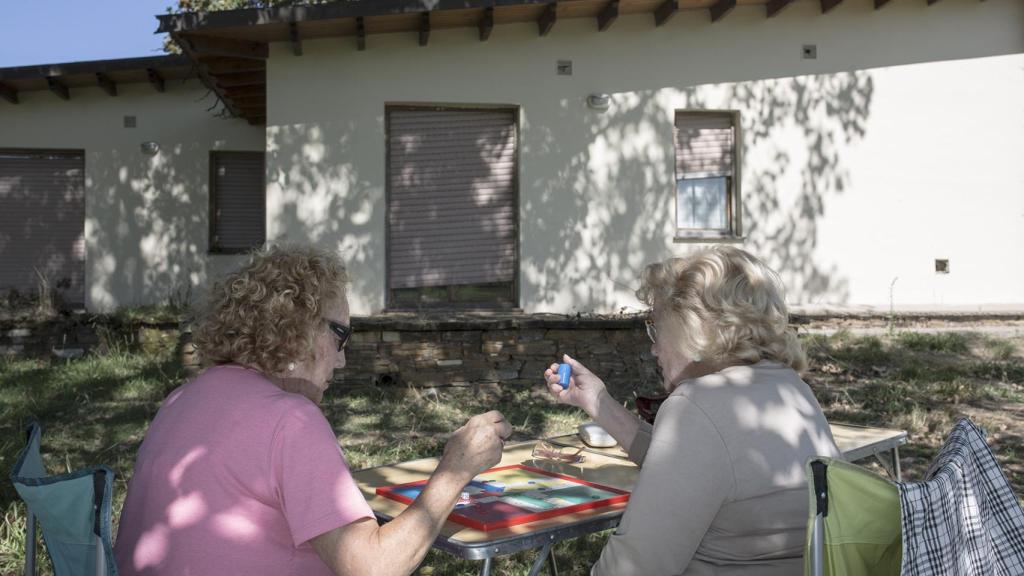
column 240, row 472
column 721, row 487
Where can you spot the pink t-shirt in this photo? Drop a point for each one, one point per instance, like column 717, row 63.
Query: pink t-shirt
column 235, row 476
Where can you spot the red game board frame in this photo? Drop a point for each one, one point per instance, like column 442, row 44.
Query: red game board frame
column 526, row 517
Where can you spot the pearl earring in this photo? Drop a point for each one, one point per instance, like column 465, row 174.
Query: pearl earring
column 291, row 366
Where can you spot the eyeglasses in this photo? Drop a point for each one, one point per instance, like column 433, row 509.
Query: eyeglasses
column 342, row 332
column 652, row 332
column 544, row 451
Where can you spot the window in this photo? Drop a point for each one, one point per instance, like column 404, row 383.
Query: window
column 237, row 201
column 42, row 221
column 452, row 177
column 707, row 202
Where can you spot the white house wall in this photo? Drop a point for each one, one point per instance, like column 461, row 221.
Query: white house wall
column 146, row 217
column 900, row 144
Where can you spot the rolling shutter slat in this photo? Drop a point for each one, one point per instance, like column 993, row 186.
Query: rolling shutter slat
column 42, row 222
column 451, row 200
column 704, row 145
column 239, row 198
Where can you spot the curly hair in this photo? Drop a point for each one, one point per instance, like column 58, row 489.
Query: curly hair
column 728, row 306
column 264, row 315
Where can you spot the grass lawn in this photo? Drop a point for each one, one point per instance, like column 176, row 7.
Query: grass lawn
column 96, row 409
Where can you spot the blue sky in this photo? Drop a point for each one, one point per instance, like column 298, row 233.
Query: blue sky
column 52, row 31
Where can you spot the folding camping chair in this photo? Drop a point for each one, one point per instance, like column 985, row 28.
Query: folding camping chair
column 73, row 511
column 854, row 527
column 962, row 520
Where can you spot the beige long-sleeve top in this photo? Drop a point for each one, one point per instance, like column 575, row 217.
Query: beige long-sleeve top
column 721, row 488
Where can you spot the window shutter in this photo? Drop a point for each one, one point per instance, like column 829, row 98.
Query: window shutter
column 42, row 221
column 452, row 209
column 705, row 145
column 239, row 204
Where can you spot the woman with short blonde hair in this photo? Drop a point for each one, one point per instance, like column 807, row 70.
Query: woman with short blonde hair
column 721, row 488
column 725, row 304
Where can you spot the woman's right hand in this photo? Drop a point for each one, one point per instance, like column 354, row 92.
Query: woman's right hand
column 584, row 390
column 476, row 447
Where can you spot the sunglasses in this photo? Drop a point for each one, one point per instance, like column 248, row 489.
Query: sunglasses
column 544, row 451
column 652, row 332
column 342, row 332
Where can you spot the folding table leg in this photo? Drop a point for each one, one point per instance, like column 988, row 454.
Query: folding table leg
column 30, row 542
column 551, row 563
column 818, row 546
column 542, row 557
column 101, row 558
column 485, row 570
column 890, row 461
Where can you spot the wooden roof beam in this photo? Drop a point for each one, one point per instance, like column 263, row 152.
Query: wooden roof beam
column 8, row 93
column 108, row 85
column 205, row 71
column 424, row 28
column 228, row 48
column 486, row 23
column 547, row 19
column 233, row 80
column 58, row 88
column 774, row 6
column 241, row 91
column 827, row 5
column 296, row 40
column 225, row 66
column 722, row 7
column 155, row 79
column 608, row 15
column 665, row 11
column 259, row 101
column 360, row 33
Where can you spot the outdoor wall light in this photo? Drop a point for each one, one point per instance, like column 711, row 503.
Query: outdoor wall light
column 150, row 148
column 599, row 101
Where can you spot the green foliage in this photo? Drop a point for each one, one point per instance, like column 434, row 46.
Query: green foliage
column 96, row 409
column 999, row 348
column 949, row 342
column 219, row 5
column 887, row 398
column 852, row 351
column 150, row 314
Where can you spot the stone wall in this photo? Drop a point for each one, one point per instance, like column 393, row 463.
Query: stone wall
column 438, row 349
column 418, row 350
column 66, row 335
column 74, row 335
column 514, row 349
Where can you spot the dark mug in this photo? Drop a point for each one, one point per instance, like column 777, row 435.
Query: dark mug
column 647, row 406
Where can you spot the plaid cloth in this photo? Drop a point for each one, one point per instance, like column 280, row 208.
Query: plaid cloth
column 963, row 520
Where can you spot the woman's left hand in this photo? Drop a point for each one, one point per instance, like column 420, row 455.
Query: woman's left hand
column 585, row 388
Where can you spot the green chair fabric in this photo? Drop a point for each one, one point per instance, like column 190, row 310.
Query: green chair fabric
column 859, row 524
column 73, row 511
